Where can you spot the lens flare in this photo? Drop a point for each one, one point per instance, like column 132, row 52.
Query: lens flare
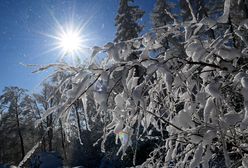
column 70, row 41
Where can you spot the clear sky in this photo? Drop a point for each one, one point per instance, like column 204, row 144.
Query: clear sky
column 25, row 24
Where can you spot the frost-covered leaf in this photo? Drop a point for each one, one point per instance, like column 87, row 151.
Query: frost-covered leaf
column 195, row 50
column 245, row 161
column 213, row 89
column 209, row 108
column 197, row 157
column 228, row 53
column 208, row 137
column 225, row 16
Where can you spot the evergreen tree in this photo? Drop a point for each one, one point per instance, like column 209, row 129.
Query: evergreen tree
column 160, row 18
column 126, row 21
column 11, row 98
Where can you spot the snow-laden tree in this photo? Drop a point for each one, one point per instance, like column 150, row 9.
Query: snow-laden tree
column 160, row 17
column 11, row 100
column 196, row 92
column 126, row 21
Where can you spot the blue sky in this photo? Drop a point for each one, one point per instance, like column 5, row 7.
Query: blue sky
column 23, row 24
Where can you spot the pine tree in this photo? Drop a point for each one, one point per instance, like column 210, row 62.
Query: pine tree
column 126, row 21
column 11, row 98
column 160, row 18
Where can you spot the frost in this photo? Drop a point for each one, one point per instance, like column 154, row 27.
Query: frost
column 191, row 87
column 29, row 154
column 184, row 119
column 113, row 51
column 197, row 157
column 95, row 51
column 232, row 118
column 209, row 108
column 228, row 53
column 168, row 78
column 195, row 50
column 118, row 127
column 207, row 156
column 213, row 89
column 244, row 82
column 125, row 138
column 201, row 98
column 237, row 78
column 169, row 152
column 209, row 22
column 225, row 16
column 208, row 137
column 245, row 161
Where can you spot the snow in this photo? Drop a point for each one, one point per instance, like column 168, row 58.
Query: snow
column 225, row 16
column 197, row 156
column 46, row 160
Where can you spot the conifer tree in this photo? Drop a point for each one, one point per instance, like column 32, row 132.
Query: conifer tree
column 160, row 18
column 126, row 21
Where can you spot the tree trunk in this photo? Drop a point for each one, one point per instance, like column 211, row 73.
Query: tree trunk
column 19, row 130
column 50, row 132
column 63, row 140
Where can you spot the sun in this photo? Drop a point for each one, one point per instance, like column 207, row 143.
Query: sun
column 70, row 41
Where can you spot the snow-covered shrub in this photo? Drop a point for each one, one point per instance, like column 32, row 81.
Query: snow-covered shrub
column 196, row 91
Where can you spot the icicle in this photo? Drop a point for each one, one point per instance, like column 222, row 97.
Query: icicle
column 85, row 106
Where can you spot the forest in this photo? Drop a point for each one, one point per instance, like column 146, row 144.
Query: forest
column 175, row 95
